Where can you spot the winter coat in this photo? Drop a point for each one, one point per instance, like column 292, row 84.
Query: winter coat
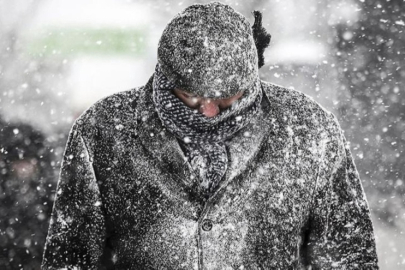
column 291, row 197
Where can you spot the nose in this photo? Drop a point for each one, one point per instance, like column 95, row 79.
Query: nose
column 209, row 107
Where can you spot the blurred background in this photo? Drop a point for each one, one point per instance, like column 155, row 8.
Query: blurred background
column 58, row 57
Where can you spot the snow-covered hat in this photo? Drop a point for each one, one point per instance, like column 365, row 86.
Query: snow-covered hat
column 209, row 50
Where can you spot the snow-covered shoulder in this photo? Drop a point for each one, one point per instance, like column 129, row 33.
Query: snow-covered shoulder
column 110, row 108
column 304, row 121
column 296, row 108
column 109, row 115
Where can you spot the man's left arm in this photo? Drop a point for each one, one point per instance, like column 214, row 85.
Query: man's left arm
column 341, row 233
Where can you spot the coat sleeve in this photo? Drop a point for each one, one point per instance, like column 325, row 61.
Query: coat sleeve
column 76, row 232
column 340, row 232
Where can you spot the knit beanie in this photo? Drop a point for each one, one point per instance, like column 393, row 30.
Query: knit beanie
column 209, row 50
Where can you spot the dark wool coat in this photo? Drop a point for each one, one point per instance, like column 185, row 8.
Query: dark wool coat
column 291, row 197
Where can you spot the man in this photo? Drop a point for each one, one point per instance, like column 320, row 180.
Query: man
column 208, row 167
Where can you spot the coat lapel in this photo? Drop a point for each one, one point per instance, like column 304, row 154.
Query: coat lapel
column 163, row 146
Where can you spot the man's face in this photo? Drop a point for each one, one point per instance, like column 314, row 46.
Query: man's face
column 207, row 106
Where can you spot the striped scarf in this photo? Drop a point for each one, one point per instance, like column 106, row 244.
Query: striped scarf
column 204, row 138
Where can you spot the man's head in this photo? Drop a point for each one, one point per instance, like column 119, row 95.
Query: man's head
column 209, row 51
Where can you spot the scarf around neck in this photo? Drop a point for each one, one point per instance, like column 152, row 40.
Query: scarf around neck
column 202, row 137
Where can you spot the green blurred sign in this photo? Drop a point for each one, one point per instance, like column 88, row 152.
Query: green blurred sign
column 87, row 41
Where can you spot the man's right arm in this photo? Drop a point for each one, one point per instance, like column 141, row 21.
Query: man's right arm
column 76, row 232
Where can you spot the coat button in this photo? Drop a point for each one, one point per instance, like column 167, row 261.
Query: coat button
column 207, row 225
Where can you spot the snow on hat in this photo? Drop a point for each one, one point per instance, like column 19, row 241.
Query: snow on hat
column 209, row 50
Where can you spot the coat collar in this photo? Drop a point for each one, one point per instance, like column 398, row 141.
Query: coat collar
column 165, row 149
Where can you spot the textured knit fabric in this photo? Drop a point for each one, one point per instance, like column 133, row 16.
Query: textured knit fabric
column 290, row 199
column 210, row 51
column 202, row 137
